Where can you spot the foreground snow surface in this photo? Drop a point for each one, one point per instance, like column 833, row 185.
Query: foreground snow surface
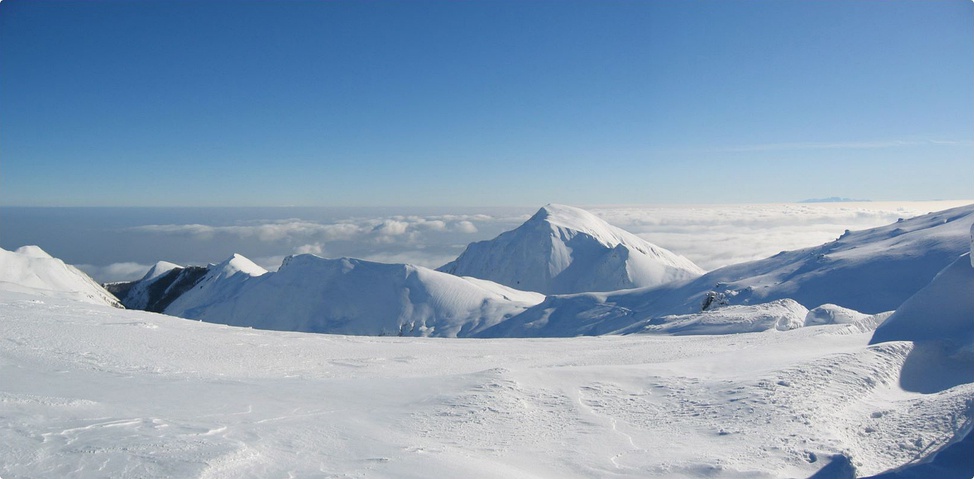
column 91, row 391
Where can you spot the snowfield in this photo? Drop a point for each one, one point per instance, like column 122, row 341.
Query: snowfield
column 92, row 391
column 753, row 383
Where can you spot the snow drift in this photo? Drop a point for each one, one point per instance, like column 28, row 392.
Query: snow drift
column 562, row 249
column 31, row 270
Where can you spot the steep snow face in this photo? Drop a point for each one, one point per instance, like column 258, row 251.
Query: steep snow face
column 222, row 282
column 349, row 296
column 943, row 310
column 32, row 270
column 562, row 249
column 139, row 294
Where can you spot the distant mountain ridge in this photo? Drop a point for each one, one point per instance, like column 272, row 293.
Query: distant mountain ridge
column 562, row 250
column 869, row 271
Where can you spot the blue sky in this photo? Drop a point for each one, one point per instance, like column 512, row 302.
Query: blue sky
column 231, row 103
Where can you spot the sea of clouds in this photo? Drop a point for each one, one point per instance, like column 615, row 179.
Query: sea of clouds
column 122, row 244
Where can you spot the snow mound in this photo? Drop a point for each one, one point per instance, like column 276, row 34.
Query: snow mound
column 562, row 249
column 590, row 318
column 31, row 270
column 349, row 296
column 943, row 310
column 834, row 314
column 780, row 315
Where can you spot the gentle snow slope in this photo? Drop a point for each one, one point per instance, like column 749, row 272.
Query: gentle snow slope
column 30, row 269
column 349, row 296
column 562, row 249
column 91, row 391
column 871, row 271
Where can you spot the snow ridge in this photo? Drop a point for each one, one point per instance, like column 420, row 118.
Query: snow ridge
column 32, row 270
column 870, row 271
column 562, row 249
column 349, row 296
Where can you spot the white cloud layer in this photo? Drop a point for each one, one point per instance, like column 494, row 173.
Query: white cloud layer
column 719, row 235
column 125, row 271
column 710, row 235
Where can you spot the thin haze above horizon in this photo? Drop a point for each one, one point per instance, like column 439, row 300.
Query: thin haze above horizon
column 483, row 103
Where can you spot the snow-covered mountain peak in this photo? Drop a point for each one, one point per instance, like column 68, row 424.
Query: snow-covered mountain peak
column 563, row 249
column 236, row 264
column 159, row 269
column 33, row 251
column 567, row 221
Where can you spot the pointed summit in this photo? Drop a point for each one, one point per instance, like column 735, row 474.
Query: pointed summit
column 563, row 249
column 159, row 269
column 236, row 264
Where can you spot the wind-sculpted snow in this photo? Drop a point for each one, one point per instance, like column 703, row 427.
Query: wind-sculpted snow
column 943, row 310
column 30, row 269
column 562, row 249
column 349, row 296
column 92, row 391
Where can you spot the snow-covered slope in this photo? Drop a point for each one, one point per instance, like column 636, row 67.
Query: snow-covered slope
column 221, row 284
column 562, row 249
column 30, row 269
column 868, row 271
column 140, row 294
column 349, row 296
column 943, row 310
column 88, row 391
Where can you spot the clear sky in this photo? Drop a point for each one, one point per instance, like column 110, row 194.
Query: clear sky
column 484, row 102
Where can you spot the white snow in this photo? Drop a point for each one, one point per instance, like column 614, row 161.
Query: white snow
column 943, row 310
column 562, row 249
column 350, row 296
column 91, row 391
column 138, row 297
column 159, row 269
column 31, row 269
column 870, row 271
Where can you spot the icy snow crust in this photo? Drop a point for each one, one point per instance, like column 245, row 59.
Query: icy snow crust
column 562, row 249
column 92, row 391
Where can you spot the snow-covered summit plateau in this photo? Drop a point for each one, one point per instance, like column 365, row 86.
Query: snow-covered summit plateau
column 562, row 249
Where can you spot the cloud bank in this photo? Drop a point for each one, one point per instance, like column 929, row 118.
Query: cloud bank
column 710, row 235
